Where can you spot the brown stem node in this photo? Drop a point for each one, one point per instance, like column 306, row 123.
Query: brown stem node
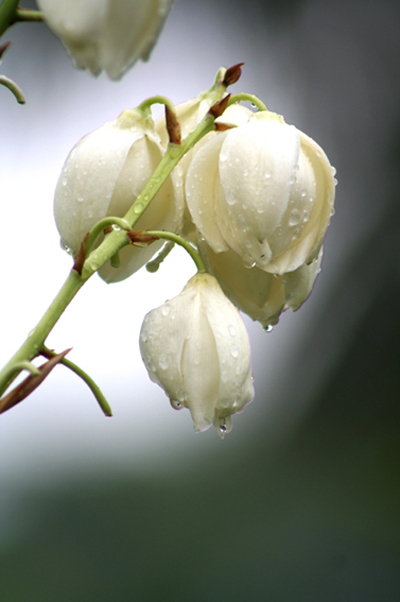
column 173, row 126
column 141, row 238
column 219, row 107
column 80, row 257
column 27, row 386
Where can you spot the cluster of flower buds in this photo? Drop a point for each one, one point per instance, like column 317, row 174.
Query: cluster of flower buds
column 254, row 196
column 106, row 35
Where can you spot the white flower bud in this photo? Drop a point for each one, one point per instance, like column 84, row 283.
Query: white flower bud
column 265, row 190
column 109, row 35
column 189, row 115
column 196, row 348
column 103, row 175
column 259, row 294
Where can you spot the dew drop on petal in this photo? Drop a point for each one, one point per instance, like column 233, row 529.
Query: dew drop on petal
column 248, row 262
column 163, row 362
column 165, row 310
column 268, row 328
column 65, row 247
column 232, row 330
column 177, row 405
column 234, row 351
column 294, row 218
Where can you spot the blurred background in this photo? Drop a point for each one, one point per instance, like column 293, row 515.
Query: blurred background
column 302, row 500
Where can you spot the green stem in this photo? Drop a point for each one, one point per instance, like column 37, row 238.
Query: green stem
column 14, row 88
column 244, row 96
column 34, row 16
column 35, row 340
column 8, row 11
column 112, row 243
column 183, row 243
column 101, row 225
column 153, row 100
column 85, row 377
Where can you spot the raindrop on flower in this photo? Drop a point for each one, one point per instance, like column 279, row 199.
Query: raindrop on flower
column 294, row 218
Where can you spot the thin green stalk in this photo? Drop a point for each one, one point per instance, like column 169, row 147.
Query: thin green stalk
column 33, row 16
column 14, row 88
column 111, row 245
column 244, row 96
column 183, row 243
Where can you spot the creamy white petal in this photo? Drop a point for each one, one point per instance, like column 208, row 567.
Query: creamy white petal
column 196, row 348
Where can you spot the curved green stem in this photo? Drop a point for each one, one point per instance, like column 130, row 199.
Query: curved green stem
column 153, row 100
column 243, row 96
column 101, row 400
column 14, row 88
column 101, row 225
column 183, row 243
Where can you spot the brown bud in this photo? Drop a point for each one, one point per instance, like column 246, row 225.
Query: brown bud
column 222, row 127
column 141, row 238
column 219, row 107
column 3, row 48
column 28, row 385
column 232, row 75
column 173, row 126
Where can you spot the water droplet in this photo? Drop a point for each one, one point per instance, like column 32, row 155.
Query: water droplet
column 268, row 328
column 163, row 362
column 116, row 228
column 267, row 174
column 65, row 247
column 80, row 198
column 165, row 310
column 196, row 360
column 333, row 170
column 306, row 216
column 234, row 351
column 177, row 405
column 232, row 330
column 296, row 233
column 248, row 261
column 138, row 208
column 294, row 218
column 303, row 193
column 64, row 181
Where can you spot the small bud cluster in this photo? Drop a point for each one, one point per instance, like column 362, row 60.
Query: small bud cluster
column 254, row 196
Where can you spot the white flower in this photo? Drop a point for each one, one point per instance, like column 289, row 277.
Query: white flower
column 107, row 35
column 196, row 348
column 103, row 175
column 189, row 115
column 264, row 190
column 259, row 294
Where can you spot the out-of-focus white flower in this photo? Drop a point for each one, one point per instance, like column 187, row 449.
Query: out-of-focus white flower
column 259, row 294
column 196, row 348
column 103, row 175
column 264, row 190
column 107, row 35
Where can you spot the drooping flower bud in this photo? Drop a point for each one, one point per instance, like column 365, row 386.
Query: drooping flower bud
column 264, row 190
column 109, row 35
column 103, row 175
column 196, row 348
column 189, row 115
column 259, row 294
